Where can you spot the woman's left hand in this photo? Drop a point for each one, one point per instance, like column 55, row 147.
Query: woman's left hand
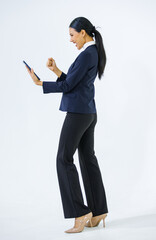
column 33, row 76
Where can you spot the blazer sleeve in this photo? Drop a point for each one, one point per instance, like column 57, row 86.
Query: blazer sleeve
column 62, row 77
column 75, row 74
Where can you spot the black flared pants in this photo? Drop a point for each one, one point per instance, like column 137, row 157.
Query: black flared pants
column 78, row 133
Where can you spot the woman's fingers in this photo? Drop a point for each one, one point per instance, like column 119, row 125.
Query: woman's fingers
column 49, row 61
column 27, row 68
column 29, row 71
column 51, row 58
column 51, row 64
column 33, row 76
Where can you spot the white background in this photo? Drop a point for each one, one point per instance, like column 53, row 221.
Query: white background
column 30, row 121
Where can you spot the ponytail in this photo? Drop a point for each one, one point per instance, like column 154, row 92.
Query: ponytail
column 83, row 23
column 101, row 53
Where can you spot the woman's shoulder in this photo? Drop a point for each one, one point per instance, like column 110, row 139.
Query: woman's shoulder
column 88, row 52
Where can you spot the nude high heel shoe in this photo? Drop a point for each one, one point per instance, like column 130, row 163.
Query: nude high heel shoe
column 96, row 220
column 80, row 223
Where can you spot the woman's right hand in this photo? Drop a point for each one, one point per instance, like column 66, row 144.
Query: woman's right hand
column 51, row 64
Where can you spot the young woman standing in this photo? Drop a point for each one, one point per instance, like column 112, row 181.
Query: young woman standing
column 77, row 131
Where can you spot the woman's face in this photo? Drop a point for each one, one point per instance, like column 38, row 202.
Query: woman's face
column 77, row 37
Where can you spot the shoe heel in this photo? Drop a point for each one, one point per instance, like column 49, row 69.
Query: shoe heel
column 104, row 221
column 91, row 223
column 90, row 219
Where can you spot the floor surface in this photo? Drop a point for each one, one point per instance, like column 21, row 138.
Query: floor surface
column 46, row 227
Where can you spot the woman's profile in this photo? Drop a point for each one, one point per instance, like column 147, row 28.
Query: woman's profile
column 77, row 133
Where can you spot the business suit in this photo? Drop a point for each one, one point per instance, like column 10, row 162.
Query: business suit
column 77, row 85
column 78, row 133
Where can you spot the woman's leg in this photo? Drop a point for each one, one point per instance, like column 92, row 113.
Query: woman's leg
column 91, row 175
column 73, row 128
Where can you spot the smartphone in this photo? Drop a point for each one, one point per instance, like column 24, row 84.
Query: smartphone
column 30, row 69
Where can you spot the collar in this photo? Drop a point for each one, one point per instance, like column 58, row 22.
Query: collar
column 87, row 44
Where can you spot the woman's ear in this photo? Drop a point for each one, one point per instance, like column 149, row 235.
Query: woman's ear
column 83, row 32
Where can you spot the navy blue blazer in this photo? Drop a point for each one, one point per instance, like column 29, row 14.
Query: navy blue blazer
column 77, row 85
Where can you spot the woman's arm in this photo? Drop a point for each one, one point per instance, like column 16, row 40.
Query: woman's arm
column 61, row 77
column 75, row 74
column 58, row 72
column 52, row 66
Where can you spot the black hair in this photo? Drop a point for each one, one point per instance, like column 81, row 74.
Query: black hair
column 80, row 23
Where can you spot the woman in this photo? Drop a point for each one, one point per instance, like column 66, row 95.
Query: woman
column 77, row 131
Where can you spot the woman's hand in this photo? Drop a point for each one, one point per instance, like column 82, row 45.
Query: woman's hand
column 33, row 76
column 51, row 64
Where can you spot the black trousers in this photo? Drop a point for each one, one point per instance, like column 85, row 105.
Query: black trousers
column 78, row 132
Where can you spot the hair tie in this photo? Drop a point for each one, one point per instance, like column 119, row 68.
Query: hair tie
column 93, row 29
